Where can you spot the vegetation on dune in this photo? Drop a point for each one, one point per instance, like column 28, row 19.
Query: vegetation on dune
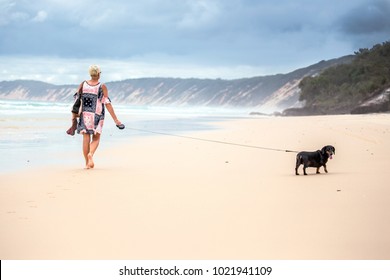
column 341, row 88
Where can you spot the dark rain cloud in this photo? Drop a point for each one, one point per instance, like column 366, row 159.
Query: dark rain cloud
column 277, row 36
column 123, row 28
column 369, row 18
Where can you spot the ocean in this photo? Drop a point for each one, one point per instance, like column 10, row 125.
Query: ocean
column 32, row 133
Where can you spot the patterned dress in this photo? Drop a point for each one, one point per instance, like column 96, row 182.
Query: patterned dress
column 92, row 109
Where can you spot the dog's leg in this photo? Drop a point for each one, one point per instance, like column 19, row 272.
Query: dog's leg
column 304, row 170
column 318, row 170
column 297, row 164
column 296, row 168
column 326, row 170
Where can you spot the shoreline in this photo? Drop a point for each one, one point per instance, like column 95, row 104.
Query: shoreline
column 30, row 144
column 163, row 197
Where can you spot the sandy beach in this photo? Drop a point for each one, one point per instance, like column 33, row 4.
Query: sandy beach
column 164, row 197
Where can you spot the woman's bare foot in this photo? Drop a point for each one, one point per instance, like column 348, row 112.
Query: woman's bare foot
column 90, row 163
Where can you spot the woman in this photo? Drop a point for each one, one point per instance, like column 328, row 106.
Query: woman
column 94, row 96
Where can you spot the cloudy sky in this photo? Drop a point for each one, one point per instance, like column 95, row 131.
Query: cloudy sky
column 56, row 40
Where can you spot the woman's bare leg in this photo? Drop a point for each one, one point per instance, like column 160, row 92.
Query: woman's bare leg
column 86, row 148
column 93, row 147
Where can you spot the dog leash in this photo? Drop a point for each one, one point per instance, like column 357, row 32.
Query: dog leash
column 213, row 141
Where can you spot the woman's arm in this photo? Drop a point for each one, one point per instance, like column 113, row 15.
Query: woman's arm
column 109, row 106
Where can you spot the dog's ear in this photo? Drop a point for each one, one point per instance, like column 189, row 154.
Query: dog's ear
column 334, row 150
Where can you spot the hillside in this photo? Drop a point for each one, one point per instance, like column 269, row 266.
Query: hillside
column 265, row 94
column 362, row 86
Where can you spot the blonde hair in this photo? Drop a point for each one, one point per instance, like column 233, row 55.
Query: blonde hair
column 94, row 70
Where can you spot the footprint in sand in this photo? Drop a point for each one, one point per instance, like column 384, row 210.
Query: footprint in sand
column 32, row 206
column 51, row 195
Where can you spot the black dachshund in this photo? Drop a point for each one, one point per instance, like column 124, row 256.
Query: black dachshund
column 315, row 159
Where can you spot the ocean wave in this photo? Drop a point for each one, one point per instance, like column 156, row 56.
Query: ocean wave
column 18, row 107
